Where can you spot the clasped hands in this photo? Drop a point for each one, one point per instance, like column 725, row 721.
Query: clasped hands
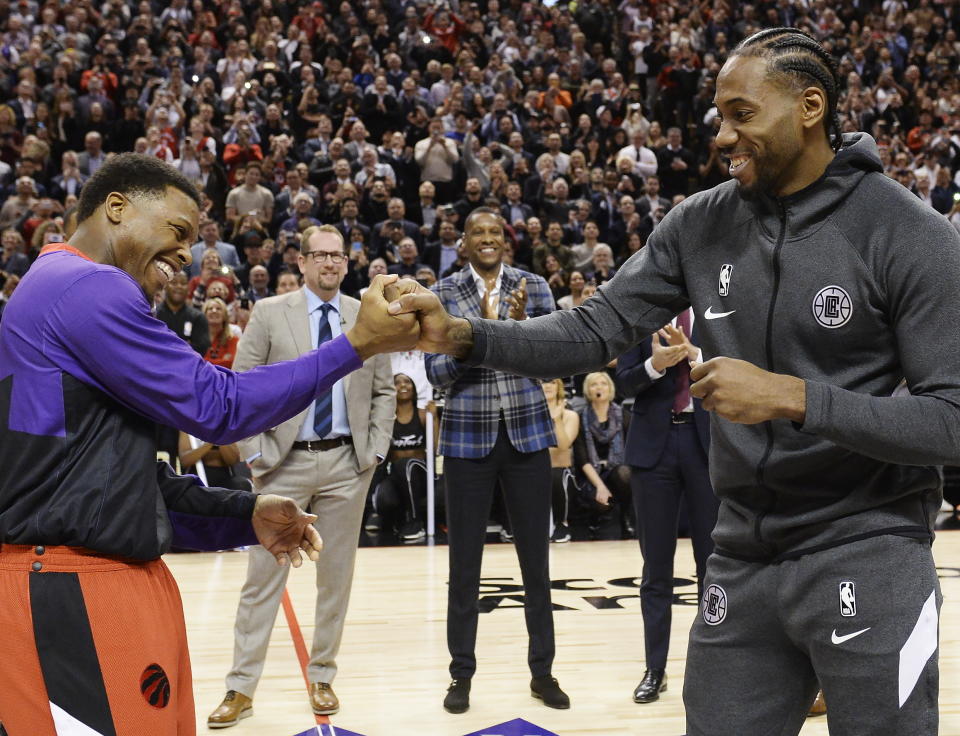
column 400, row 314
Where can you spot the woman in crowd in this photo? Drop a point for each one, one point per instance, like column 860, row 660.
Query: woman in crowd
column 575, row 298
column 287, row 281
column 566, row 425
column 211, row 268
column 599, row 455
column 13, row 260
column 634, row 243
column 11, row 139
column 556, row 277
column 655, row 137
column 400, row 484
column 223, row 341
column 46, row 233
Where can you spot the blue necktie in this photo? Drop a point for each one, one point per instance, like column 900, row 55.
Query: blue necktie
column 323, row 405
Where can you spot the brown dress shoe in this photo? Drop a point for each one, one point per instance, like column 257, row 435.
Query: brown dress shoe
column 234, row 707
column 322, row 699
column 819, row 706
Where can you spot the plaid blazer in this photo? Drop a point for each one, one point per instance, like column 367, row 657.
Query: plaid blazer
column 475, row 396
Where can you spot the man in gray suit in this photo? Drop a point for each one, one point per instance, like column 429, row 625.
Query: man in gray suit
column 323, row 459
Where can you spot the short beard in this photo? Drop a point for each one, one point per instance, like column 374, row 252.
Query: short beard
column 764, row 183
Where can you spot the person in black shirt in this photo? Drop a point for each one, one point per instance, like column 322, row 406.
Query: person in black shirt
column 400, row 484
column 187, row 322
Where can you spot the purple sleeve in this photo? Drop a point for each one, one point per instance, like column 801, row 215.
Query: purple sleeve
column 101, row 331
column 205, row 519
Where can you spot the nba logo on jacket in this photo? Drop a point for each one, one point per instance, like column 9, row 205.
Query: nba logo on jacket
column 726, row 270
column 848, row 599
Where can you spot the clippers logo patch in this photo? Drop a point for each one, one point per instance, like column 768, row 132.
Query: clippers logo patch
column 832, row 307
column 155, row 686
column 713, row 607
column 726, row 271
column 848, row 599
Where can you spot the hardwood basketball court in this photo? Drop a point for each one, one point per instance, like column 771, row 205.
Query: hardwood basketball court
column 393, row 660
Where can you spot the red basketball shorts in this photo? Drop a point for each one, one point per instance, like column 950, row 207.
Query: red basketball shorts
column 91, row 644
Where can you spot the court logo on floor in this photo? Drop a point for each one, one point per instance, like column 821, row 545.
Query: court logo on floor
column 516, row 727
column 328, row 729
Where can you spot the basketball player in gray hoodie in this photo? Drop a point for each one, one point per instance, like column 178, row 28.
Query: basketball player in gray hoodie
column 819, row 285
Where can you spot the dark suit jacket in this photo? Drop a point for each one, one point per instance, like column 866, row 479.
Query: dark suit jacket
column 650, row 416
column 643, row 205
column 505, row 212
column 379, row 245
column 344, row 229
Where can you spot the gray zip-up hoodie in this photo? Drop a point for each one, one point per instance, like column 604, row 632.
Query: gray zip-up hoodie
column 851, row 284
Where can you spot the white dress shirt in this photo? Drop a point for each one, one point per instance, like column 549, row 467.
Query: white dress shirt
column 340, row 426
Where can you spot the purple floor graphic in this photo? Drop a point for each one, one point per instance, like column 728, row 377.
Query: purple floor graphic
column 516, row 727
column 328, row 729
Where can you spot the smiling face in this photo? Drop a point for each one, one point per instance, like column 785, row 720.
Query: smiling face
column 483, row 241
column 214, row 312
column 153, row 237
column 761, row 132
column 322, row 276
column 404, row 387
column 177, row 289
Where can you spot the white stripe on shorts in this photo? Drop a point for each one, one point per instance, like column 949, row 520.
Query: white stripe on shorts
column 65, row 724
column 920, row 646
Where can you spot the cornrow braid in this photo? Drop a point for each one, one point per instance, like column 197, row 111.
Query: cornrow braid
column 792, row 53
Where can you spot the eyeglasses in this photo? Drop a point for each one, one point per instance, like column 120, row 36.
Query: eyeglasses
column 319, row 256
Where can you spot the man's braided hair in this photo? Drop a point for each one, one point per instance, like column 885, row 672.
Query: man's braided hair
column 799, row 60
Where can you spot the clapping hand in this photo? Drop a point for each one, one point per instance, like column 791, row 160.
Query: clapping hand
column 665, row 356
column 676, row 337
column 517, row 299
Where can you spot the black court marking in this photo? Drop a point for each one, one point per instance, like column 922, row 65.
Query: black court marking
column 68, row 658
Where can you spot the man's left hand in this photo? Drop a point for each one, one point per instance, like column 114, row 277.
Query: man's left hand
column 517, row 300
column 741, row 392
column 284, row 529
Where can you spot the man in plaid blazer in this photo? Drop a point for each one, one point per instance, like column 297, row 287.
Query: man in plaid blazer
column 496, row 429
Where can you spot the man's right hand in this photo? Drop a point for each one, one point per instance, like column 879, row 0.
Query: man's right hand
column 379, row 331
column 665, row 356
column 439, row 332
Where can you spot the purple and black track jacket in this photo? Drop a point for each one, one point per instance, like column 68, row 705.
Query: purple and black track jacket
column 86, row 371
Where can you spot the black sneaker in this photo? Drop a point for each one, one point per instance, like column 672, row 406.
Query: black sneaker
column 458, row 696
column 412, row 531
column 561, row 533
column 548, row 690
column 373, row 523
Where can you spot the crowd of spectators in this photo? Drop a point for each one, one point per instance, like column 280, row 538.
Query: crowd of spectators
column 583, row 123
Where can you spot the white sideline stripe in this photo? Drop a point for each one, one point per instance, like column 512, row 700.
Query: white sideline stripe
column 66, row 725
column 919, row 647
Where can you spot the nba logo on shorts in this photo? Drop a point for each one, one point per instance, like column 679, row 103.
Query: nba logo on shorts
column 726, row 270
column 848, row 599
column 713, row 606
